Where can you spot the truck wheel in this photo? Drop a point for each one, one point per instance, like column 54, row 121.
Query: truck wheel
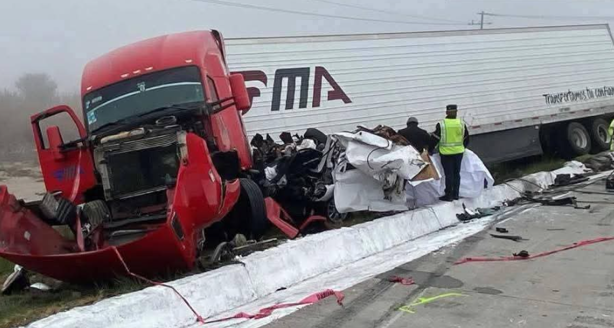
column 252, row 206
column 332, row 214
column 574, row 141
column 598, row 129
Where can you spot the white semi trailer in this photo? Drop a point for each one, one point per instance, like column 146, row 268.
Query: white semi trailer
column 521, row 91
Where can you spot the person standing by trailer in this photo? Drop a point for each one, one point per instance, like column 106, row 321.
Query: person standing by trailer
column 611, row 133
column 453, row 137
column 417, row 137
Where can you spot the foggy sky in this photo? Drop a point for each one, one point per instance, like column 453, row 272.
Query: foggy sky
column 58, row 37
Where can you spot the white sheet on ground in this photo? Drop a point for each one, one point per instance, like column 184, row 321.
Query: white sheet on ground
column 473, row 174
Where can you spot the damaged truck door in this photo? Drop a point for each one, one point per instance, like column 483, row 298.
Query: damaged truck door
column 66, row 167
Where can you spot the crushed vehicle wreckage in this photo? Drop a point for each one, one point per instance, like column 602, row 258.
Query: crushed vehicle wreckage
column 323, row 178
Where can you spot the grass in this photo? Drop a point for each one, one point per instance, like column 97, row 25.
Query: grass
column 6, row 268
column 25, row 307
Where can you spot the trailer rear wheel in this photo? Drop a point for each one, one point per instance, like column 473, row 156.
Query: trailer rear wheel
column 253, row 210
column 598, row 129
column 574, row 141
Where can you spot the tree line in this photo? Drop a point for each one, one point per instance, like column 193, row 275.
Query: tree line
column 33, row 93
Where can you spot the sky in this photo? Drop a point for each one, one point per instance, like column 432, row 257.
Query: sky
column 59, row 37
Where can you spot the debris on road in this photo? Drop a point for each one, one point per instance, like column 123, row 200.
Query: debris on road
column 563, row 180
column 403, row 281
column 265, row 312
column 478, row 213
column 524, row 255
column 512, row 238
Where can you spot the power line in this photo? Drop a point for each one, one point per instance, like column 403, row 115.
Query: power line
column 305, row 13
column 388, row 12
column 552, row 17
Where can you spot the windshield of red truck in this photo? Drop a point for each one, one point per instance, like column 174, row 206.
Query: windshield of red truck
column 139, row 95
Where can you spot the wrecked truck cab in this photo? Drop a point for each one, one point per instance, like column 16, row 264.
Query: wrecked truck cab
column 158, row 160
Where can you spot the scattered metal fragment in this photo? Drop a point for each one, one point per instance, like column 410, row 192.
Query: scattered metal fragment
column 16, row 281
column 513, row 238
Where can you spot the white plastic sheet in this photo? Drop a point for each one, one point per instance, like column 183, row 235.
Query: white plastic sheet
column 379, row 158
column 356, row 191
column 474, row 178
column 379, row 164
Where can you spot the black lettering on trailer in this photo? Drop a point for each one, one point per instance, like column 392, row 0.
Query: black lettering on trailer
column 292, row 74
column 335, row 94
column 254, row 92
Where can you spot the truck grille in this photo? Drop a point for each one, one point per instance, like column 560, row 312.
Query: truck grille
column 140, row 166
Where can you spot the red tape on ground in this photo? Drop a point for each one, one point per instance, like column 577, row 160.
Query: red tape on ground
column 403, row 281
column 269, row 310
column 519, row 258
column 261, row 314
column 199, row 318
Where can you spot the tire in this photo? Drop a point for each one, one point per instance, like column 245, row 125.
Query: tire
column 332, row 214
column 96, row 212
column 573, row 140
column 253, row 210
column 598, row 129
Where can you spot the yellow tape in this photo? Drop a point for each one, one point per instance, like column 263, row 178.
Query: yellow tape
column 425, row 300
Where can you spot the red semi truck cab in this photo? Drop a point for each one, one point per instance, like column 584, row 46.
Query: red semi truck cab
column 159, row 158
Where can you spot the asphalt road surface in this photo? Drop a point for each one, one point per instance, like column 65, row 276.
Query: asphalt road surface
column 574, row 288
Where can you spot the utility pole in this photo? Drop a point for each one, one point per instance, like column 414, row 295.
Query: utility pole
column 482, row 22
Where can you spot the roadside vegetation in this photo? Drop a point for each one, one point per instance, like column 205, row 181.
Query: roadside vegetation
column 28, row 306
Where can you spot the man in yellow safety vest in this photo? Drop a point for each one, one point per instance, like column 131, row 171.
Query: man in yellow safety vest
column 611, row 132
column 453, row 138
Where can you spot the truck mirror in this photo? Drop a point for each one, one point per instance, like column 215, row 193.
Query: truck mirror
column 239, row 92
column 55, row 140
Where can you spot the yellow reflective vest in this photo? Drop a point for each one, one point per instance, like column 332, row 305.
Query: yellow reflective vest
column 611, row 132
column 452, row 136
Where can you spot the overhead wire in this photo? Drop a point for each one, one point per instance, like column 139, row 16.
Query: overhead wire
column 389, row 12
column 313, row 14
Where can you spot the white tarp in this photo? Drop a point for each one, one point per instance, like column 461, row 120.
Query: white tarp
column 356, row 191
column 473, row 176
column 380, row 164
column 379, row 157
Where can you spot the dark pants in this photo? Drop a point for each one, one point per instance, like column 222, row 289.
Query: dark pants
column 452, row 167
